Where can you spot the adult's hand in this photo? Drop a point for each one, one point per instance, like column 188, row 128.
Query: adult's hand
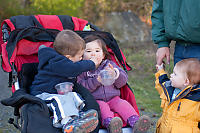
column 163, row 52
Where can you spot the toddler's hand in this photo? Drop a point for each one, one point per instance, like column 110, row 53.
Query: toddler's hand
column 159, row 67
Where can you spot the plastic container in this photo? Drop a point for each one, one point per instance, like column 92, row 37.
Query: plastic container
column 108, row 77
column 64, row 88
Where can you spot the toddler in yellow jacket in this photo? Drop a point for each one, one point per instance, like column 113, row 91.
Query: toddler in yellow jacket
column 180, row 97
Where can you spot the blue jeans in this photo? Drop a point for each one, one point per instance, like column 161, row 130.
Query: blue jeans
column 183, row 51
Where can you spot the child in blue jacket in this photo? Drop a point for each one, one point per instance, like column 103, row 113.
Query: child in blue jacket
column 62, row 64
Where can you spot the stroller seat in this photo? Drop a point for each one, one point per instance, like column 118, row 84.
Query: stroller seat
column 27, row 76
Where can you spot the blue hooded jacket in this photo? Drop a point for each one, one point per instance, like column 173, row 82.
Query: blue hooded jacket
column 54, row 68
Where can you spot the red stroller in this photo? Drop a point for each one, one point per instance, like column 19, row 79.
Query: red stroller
column 20, row 39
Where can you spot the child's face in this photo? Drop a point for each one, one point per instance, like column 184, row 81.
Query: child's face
column 94, row 50
column 178, row 78
column 77, row 57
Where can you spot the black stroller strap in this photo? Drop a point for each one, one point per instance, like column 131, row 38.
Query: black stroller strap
column 12, row 75
column 35, row 21
column 22, row 22
column 66, row 21
column 10, row 79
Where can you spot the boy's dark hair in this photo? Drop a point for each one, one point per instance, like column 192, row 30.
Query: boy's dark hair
column 91, row 38
column 68, row 42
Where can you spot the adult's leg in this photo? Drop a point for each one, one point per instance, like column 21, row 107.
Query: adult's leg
column 178, row 52
column 184, row 51
column 90, row 102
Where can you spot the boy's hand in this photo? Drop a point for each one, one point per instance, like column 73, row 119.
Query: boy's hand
column 94, row 60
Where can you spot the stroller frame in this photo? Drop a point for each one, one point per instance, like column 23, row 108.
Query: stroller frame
column 14, row 71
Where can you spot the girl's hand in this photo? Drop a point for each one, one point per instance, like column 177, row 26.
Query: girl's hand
column 110, row 66
column 99, row 79
column 114, row 71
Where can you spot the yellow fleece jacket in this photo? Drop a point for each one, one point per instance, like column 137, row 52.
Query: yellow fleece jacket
column 182, row 115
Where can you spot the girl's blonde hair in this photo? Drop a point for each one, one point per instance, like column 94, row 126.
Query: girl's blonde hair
column 191, row 67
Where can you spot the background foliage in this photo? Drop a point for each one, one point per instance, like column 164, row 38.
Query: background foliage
column 91, row 10
column 60, row 7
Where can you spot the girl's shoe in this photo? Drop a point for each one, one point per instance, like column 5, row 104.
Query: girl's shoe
column 115, row 125
column 142, row 125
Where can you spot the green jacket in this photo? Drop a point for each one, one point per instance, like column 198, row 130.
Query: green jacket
column 177, row 20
